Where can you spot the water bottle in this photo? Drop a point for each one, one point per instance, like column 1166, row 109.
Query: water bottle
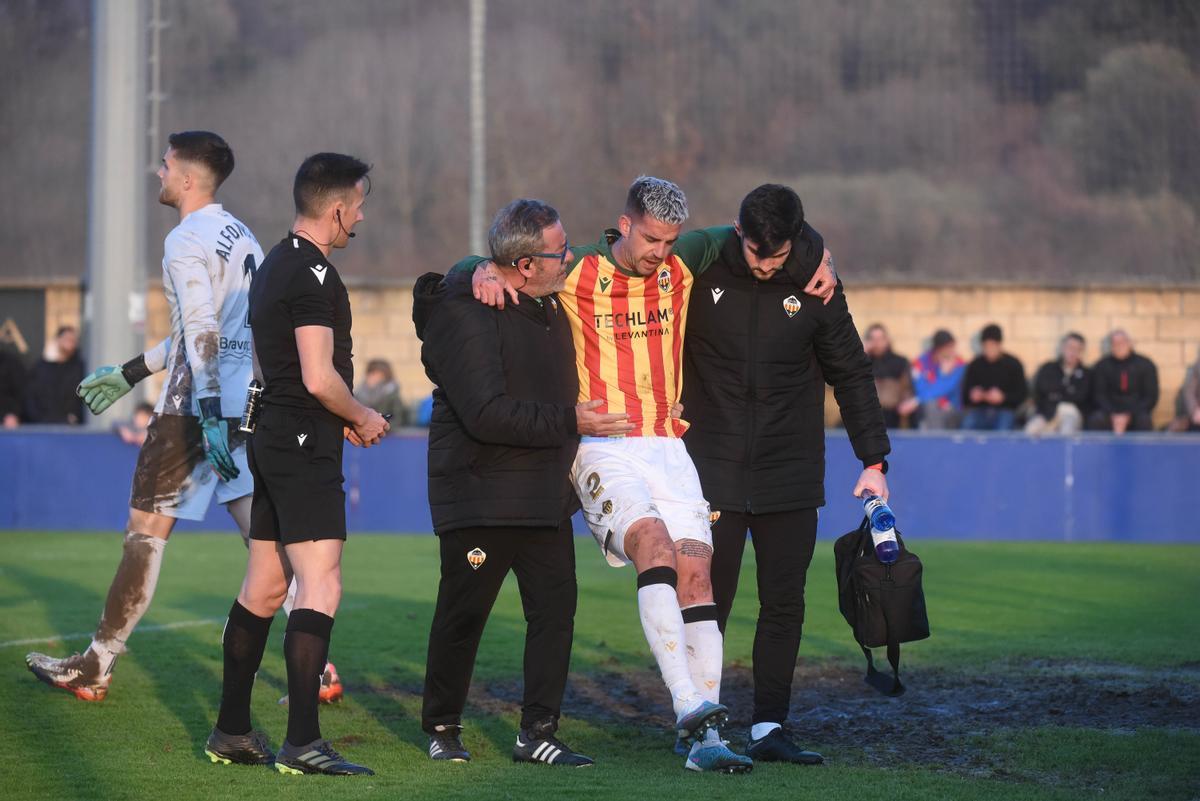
column 876, row 508
column 253, row 405
column 883, row 528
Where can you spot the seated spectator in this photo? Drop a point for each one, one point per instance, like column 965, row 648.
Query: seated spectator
column 994, row 385
column 1188, row 411
column 893, row 378
column 1062, row 391
column 1125, row 388
column 50, row 390
column 380, row 391
column 134, row 431
column 425, row 411
column 12, row 385
column 937, row 379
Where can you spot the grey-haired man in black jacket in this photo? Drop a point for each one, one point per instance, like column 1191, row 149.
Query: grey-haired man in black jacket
column 503, row 434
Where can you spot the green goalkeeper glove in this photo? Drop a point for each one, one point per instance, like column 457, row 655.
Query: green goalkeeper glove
column 106, row 386
column 215, row 430
column 103, row 388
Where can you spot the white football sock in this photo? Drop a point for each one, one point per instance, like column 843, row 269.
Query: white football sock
column 705, row 649
column 761, row 730
column 129, row 596
column 663, row 626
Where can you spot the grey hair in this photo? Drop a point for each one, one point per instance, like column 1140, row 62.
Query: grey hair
column 657, row 198
column 516, row 230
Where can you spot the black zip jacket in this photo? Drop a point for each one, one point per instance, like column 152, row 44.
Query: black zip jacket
column 1125, row 385
column 1006, row 373
column 757, row 356
column 1052, row 386
column 503, row 433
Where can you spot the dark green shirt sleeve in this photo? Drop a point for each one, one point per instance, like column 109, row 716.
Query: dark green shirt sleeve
column 700, row 248
column 467, row 265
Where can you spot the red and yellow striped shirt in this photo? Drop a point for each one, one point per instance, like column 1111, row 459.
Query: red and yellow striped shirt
column 629, row 328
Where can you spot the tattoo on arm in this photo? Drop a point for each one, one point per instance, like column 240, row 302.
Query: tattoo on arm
column 695, row 548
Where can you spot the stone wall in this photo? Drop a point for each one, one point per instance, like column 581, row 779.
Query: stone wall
column 1163, row 322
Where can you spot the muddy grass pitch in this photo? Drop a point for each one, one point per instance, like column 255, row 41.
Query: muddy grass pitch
column 1054, row 671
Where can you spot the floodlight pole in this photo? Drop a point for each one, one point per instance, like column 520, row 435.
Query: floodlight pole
column 478, row 216
column 114, row 293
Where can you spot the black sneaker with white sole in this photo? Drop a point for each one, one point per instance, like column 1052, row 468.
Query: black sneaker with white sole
column 538, row 744
column 446, row 744
column 316, row 757
column 778, row 746
column 239, row 749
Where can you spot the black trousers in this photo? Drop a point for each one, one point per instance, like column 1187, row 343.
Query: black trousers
column 475, row 562
column 783, row 548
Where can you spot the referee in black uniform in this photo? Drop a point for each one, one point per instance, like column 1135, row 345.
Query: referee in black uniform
column 300, row 321
column 502, row 437
column 758, row 355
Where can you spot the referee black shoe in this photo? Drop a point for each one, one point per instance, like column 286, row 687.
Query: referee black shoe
column 538, row 744
column 316, row 757
column 778, row 746
column 446, row 744
column 239, row 749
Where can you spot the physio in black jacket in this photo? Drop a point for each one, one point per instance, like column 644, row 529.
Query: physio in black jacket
column 757, row 357
column 503, row 434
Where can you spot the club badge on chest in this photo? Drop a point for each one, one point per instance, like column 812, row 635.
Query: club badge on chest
column 791, row 305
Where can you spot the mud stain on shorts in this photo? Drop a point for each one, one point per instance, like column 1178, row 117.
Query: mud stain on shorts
column 167, row 463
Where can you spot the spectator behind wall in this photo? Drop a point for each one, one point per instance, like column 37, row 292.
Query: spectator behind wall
column 893, row 378
column 50, row 391
column 1188, row 406
column 1125, row 388
column 12, row 385
column 1062, row 391
column 937, row 378
column 424, row 411
column 133, row 432
column 380, row 391
column 994, row 385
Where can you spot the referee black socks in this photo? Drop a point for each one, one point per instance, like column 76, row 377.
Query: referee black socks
column 305, row 649
column 244, row 640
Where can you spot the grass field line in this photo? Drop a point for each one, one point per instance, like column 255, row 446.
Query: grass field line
column 178, row 624
column 87, row 635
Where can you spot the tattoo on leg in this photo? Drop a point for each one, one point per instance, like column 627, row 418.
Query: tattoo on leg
column 695, row 548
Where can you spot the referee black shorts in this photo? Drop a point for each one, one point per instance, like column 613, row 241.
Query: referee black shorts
column 296, row 460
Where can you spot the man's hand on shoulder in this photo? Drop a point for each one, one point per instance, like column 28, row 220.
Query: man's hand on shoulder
column 591, row 423
column 489, row 285
column 824, row 280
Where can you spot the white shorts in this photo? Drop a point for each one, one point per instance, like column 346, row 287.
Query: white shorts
column 174, row 478
column 621, row 481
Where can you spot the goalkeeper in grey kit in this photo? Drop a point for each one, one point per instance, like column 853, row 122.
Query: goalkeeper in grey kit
column 193, row 450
